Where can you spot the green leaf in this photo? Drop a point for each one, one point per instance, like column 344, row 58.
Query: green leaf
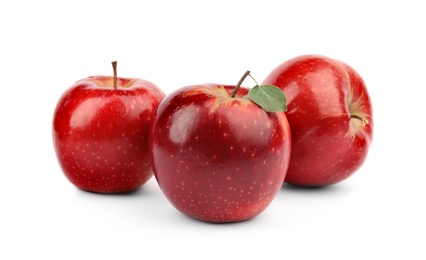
column 269, row 98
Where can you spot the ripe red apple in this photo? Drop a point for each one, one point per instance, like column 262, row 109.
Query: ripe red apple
column 100, row 132
column 216, row 157
column 330, row 116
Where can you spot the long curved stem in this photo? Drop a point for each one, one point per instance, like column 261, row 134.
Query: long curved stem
column 234, row 92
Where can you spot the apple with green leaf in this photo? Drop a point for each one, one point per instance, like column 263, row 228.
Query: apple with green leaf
column 330, row 116
column 100, row 132
column 220, row 153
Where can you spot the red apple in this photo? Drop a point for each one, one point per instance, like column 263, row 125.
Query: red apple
column 330, row 116
column 100, row 132
column 218, row 158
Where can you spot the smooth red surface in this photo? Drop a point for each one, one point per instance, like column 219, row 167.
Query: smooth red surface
column 100, row 134
column 322, row 93
column 217, row 158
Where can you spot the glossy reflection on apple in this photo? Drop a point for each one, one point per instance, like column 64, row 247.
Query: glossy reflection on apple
column 100, row 132
column 219, row 158
column 330, row 116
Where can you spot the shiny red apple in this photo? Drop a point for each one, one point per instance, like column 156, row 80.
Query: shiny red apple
column 216, row 157
column 330, row 116
column 100, row 132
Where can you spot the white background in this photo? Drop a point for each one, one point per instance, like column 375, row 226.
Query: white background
column 45, row 46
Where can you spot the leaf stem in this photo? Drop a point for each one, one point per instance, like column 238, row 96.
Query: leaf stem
column 247, row 73
column 114, row 67
column 254, row 80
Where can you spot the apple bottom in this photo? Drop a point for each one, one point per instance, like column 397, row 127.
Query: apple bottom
column 223, row 192
column 97, row 181
column 105, row 167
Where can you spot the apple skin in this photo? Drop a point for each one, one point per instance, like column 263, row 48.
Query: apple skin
column 100, row 133
column 330, row 116
column 217, row 158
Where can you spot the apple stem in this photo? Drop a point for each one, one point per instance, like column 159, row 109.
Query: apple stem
column 114, row 67
column 247, row 73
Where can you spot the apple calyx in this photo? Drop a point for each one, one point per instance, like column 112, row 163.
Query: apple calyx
column 358, row 117
column 114, row 68
column 270, row 98
column 364, row 121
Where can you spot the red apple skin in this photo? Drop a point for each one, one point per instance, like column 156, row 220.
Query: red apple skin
column 100, row 134
column 330, row 116
column 217, row 158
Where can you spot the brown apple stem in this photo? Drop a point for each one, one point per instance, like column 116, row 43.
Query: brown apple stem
column 239, row 83
column 114, row 67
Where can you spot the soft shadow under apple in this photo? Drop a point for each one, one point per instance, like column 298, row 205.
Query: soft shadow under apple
column 337, row 188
